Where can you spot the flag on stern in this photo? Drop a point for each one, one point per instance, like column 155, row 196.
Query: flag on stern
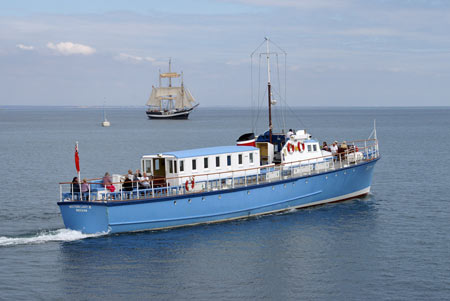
column 77, row 159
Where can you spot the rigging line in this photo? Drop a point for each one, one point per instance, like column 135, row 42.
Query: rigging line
column 258, row 48
column 255, row 119
column 251, row 94
column 295, row 116
column 278, row 47
column 259, row 84
column 285, row 86
column 283, row 118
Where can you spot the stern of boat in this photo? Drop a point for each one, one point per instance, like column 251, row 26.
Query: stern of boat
column 85, row 217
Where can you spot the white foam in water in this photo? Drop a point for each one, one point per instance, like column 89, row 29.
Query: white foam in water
column 46, row 236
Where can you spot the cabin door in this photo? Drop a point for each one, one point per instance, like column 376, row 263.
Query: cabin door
column 159, row 168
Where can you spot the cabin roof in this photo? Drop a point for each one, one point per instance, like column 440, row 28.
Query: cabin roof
column 209, row 151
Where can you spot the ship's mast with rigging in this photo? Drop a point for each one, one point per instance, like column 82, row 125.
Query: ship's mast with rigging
column 269, row 92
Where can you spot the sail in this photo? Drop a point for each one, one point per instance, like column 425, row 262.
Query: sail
column 184, row 99
column 162, row 93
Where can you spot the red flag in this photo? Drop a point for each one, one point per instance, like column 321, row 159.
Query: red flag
column 77, row 159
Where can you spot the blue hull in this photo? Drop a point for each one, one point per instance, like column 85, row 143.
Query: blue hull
column 216, row 206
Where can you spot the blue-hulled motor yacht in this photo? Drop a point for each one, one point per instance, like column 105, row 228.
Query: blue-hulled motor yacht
column 272, row 172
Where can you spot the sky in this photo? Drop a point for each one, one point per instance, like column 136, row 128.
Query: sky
column 339, row 52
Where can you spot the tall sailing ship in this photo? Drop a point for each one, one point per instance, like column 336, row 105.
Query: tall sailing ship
column 170, row 102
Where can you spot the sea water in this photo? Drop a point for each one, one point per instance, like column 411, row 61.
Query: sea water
column 392, row 244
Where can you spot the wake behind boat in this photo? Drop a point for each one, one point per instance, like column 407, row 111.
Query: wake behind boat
column 170, row 102
column 272, row 172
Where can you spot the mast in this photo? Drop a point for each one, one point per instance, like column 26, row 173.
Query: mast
column 170, row 102
column 182, row 90
column 269, row 92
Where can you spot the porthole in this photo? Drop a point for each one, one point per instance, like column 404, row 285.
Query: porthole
column 174, row 202
column 273, row 187
column 220, row 196
column 354, row 170
column 284, row 185
column 335, row 175
column 293, row 183
column 248, row 191
column 306, row 182
column 189, row 201
column 326, row 177
column 203, row 198
column 345, row 172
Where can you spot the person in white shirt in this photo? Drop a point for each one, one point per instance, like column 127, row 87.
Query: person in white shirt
column 334, row 148
column 289, row 134
column 144, row 181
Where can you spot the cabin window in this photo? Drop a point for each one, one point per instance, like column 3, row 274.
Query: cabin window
column 205, row 163
column 181, row 165
column 148, row 166
column 156, row 164
column 175, row 166
column 250, row 158
column 240, row 159
column 309, row 147
column 194, row 164
column 170, row 166
column 315, row 147
column 217, row 161
column 229, row 160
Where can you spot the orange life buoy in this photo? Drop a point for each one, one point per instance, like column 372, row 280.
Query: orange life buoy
column 186, row 185
column 301, row 147
column 290, row 148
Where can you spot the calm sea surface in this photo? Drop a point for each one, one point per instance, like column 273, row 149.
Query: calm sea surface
column 391, row 245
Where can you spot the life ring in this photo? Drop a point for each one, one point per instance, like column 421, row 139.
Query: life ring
column 290, row 148
column 186, row 185
column 301, row 147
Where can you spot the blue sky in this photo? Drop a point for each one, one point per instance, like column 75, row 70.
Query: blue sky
column 340, row 52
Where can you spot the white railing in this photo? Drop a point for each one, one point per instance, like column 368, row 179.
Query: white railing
column 357, row 152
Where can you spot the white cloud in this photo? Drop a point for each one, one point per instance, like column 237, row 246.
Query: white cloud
column 69, row 48
column 24, row 47
column 134, row 59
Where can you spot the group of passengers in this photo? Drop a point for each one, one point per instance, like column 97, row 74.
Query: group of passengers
column 76, row 188
column 131, row 181
column 136, row 180
column 335, row 148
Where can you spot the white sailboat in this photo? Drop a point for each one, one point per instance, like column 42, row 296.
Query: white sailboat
column 105, row 122
column 171, row 102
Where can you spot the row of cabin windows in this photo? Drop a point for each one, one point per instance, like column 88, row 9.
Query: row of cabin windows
column 314, row 146
column 206, row 162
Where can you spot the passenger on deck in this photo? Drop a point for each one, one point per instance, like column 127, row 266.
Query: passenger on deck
column 75, row 188
column 136, row 177
column 107, row 183
column 334, row 148
column 85, row 189
column 325, row 147
column 144, row 181
column 130, row 175
column 127, row 184
column 289, row 134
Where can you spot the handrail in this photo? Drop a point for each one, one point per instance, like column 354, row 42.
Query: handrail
column 239, row 177
column 246, row 169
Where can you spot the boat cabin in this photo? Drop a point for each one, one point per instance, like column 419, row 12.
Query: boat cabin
column 203, row 164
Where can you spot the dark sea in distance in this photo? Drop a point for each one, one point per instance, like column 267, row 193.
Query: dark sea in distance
column 391, row 245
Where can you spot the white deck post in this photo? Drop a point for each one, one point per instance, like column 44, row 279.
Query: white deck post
column 153, row 191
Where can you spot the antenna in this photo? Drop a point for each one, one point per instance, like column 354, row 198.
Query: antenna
column 269, row 92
